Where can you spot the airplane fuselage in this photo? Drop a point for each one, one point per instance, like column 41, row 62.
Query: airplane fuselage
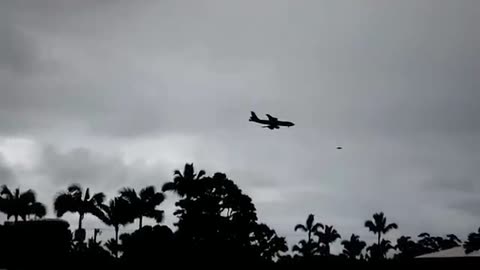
column 271, row 123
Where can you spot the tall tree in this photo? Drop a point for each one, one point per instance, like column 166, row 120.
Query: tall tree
column 379, row 226
column 74, row 200
column 144, row 203
column 20, row 204
column 118, row 213
column 327, row 237
column 353, row 248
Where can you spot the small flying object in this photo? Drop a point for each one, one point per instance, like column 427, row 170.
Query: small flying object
column 339, row 148
column 271, row 122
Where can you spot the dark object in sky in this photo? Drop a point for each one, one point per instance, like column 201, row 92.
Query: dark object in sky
column 339, row 148
column 271, row 123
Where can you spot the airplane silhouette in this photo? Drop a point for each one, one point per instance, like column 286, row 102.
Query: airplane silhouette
column 271, row 123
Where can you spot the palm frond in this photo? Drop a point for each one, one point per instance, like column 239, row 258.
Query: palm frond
column 75, row 188
column 98, row 198
column 169, row 186
column 371, row 226
column 301, row 227
column 5, row 191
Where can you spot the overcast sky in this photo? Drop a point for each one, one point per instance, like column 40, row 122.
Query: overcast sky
column 120, row 93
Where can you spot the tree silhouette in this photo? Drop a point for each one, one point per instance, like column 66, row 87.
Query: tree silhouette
column 353, row 248
column 407, row 247
column 267, row 243
column 148, row 245
column 20, row 204
column 144, row 203
column 325, row 238
column 379, row 251
column 74, row 200
column 450, row 241
column 380, row 226
column 37, row 209
column 307, row 248
column 113, row 246
column 473, row 242
column 429, row 244
column 216, row 218
column 184, row 184
column 118, row 213
column 310, row 227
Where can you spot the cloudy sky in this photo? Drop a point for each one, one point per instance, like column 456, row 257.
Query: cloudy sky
column 120, row 93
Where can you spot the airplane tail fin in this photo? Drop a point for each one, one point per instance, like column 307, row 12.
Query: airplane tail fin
column 253, row 117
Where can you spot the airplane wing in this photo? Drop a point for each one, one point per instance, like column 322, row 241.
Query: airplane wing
column 271, row 118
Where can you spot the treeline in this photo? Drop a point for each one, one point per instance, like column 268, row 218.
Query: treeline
column 217, row 223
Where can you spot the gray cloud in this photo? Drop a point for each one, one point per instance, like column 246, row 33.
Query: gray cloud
column 7, row 175
column 394, row 83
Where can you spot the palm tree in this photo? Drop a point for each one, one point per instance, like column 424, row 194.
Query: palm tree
column 379, row 251
column 118, row 213
column 183, row 183
column 353, row 248
column 20, row 204
column 74, row 200
column 144, row 203
column 310, row 228
column 326, row 237
column 379, row 226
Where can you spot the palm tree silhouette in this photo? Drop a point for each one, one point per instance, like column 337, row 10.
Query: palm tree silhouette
column 20, row 204
column 118, row 213
column 74, row 200
column 310, row 227
column 379, row 251
column 183, row 183
column 144, row 203
column 308, row 247
column 326, row 237
column 353, row 248
column 379, row 226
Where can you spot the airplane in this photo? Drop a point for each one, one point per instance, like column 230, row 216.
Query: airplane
column 271, row 123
